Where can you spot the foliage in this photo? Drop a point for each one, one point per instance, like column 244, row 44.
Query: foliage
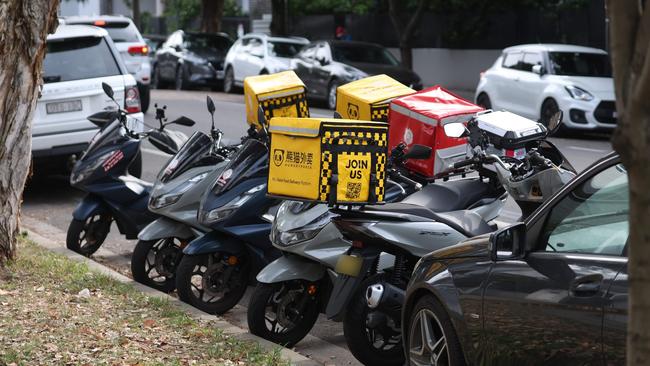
column 180, row 14
column 231, row 9
column 306, row 7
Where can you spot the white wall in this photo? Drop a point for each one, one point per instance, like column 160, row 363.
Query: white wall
column 453, row 69
column 74, row 7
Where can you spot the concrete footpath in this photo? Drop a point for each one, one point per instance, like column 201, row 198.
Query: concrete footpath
column 49, row 238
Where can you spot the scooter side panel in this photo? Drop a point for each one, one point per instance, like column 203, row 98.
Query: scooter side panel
column 89, row 206
column 163, row 228
column 214, row 241
column 418, row 238
column 288, row 268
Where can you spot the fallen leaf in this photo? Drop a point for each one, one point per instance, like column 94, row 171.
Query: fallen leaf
column 149, row 323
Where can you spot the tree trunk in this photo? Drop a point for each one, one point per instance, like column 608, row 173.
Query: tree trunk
column 211, row 14
column 135, row 5
column 24, row 25
column 279, row 23
column 629, row 39
column 406, row 32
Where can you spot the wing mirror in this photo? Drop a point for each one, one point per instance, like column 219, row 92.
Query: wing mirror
column 555, row 122
column 539, row 70
column 323, row 61
column 508, row 243
column 419, row 152
column 101, row 119
column 456, row 129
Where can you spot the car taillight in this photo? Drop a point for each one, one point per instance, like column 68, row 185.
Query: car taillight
column 100, row 23
column 482, row 74
column 132, row 100
column 138, row 50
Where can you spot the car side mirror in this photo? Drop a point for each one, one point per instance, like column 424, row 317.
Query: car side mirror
column 323, row 61
column 539, row 70
column 508, row 243
column 418, row 152
column 456, row 129
column 178, row 48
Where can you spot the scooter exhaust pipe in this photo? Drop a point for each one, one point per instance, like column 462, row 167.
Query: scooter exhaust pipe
column 386, row 297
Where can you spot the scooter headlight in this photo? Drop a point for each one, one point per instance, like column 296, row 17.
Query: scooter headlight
column 307, row 232
column 172, row 197
column 221, row 213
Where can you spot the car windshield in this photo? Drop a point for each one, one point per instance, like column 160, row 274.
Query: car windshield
column 580, row 64
column 283, row 49
column 78, row 58
column 355, row 52
column 206, row 41
column 122, row 31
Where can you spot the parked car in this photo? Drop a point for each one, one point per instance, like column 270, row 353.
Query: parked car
column 324, row 65
column 538, row 80
column 78, row 59
column 190, row 59
column 256, row 54
column 552, row 290
column 133, row 48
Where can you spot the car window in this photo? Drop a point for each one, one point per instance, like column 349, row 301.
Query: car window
column 580, row 64
column 256, row 47
column 283, row 49
column 593, row 218
column 78, row 58
column 308, row 52
column 529, row 60
column 353, row 52
column 511, row 60
column 122, row 31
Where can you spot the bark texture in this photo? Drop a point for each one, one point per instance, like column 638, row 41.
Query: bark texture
column 405, row 31
column 211, row 14
column 24, row 25
column 135, row 6
column 629, row 41
column 279, row 22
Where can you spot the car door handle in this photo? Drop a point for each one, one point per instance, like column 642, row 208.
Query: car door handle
column 586, row 286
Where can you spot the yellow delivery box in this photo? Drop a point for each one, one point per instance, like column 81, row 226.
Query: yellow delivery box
column 333, row 161
column 369, row 98
column 280, row 95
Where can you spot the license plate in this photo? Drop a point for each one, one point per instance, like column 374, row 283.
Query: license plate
column 348, row 265
column 63, row 107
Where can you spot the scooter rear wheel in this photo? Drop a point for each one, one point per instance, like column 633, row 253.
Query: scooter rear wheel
column 285, row 312
column 85, row 237
column 154, row 263
column 212, row 282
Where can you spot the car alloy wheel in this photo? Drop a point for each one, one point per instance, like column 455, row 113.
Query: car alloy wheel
column 549, row 108
column 427, row 341
column 331, row 95
column 228, row 81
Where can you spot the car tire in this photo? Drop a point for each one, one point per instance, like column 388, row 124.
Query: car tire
column 145, row 97
column 229, row 81
column 428, row 311
column 179, row 80
column 549, row 108
column 331, row 94
column 141, row 266
column 484, row 101
column 156, row 83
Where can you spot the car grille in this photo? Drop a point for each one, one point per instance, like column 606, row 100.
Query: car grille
column 216, row 65
column 606, row 112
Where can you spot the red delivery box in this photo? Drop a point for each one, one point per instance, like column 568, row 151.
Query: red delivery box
column 419, row 119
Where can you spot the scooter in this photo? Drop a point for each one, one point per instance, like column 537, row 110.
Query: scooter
column 102, row 172
column 217, row 267
column 293, row 289
column 370, row 300
column 175, row 198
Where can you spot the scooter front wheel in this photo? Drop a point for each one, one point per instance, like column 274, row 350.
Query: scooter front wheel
column 85, row 237
column 284, row 312
column 154, row 263
column 213, row 282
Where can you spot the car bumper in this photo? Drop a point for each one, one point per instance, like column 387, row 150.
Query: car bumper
column 596, row 114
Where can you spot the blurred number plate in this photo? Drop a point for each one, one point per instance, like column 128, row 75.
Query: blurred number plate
column 63, row 107
column 349, row 265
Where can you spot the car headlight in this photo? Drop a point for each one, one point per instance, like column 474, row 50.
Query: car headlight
column 303, row 233
column 578, row 93
column 226, row 210
column 354, row 73
column 78, row 176
column 172, row 197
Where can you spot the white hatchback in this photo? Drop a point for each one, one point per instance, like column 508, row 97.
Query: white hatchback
column 256, row 54
column 537, row 80
column 79, row 59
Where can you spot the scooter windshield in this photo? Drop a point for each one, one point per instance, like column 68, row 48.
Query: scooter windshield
column 111, row 134
column 195, row 152
column 249, row 161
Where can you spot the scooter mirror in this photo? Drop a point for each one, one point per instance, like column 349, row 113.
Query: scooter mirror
column 183, row 121
column 108, row 90
column 419, row 152
column 101, row 119
column 555, row 122
column 455, row 130
column 210, row 104
column 163, row 142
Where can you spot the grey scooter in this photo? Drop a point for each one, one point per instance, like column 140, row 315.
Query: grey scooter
column 175, row 197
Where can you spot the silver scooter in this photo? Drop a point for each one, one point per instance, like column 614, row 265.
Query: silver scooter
column 175, row 197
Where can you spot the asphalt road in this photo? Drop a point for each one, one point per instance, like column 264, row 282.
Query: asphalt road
column 52, row 200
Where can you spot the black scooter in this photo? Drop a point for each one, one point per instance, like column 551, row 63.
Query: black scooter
column 102, row 172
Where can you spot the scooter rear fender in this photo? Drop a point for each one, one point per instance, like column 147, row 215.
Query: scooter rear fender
column 288, row 268
column 89, row 205
column 212, row 242
column 164, row 227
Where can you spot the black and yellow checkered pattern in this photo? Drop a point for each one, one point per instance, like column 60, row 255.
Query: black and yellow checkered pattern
column 287, row 106
column 325, row 174
column 379, row 112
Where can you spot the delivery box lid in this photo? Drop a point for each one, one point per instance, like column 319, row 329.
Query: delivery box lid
column 375, row 89
column 310, row 127
column 509, row 125
column 434, row 104
column 276, row 84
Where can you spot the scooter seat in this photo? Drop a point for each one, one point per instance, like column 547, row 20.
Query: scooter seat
column 468, row 223
column 452, row 195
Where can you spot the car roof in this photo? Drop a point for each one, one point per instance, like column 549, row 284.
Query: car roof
column 85, row 18
column 335, row 42
column 73, row 31
column 301, row 40
column 554, row 47
column 220, row 34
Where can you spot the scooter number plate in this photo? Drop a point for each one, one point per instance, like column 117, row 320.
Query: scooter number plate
column 349, row 265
